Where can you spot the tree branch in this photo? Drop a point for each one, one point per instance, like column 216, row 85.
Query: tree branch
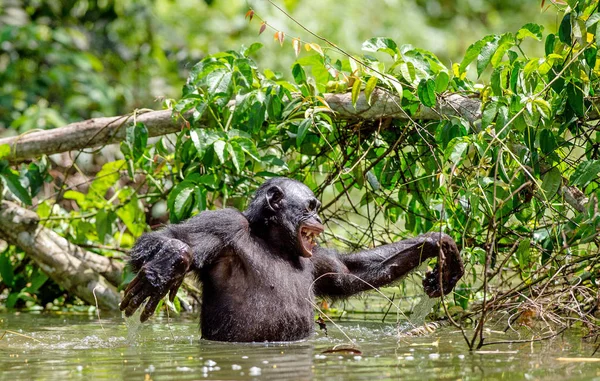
column 78, row 271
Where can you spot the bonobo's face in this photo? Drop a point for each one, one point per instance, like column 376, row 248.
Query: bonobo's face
column 296, row 209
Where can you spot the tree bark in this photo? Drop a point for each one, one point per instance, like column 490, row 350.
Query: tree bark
column 84, row 274
column 101, row 131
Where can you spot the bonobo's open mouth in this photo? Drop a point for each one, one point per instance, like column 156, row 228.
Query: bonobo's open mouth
column 306, row 236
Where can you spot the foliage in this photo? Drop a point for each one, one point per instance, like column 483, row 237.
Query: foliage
column 501, row 185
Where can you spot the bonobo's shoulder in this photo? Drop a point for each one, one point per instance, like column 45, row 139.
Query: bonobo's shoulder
column 223, row 222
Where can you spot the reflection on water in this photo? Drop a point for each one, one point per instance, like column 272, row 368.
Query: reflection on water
column 84, row 348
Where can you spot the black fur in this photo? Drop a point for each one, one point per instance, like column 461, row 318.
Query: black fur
column 257, row 286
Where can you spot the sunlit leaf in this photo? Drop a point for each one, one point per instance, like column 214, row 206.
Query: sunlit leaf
column 381, row 44
column 296, row 44
column 585, row 172
column 456, row 149
column 356, row 90
column 16, row 188
column 4, row 151
column 219, row 147
column 369, row 87
column 485, row 54
column 237, row 154
column 531, row 30
column 473, row 51
column 279, row 36
column 316, row 48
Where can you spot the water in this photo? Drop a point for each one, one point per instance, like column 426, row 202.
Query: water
column 84, row 348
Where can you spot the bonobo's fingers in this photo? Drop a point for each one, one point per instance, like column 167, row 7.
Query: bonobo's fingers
column 161, row 275
column 173, row 291
column 452, row 267
column 135, row 303
column 150, row 308
column 132, row 289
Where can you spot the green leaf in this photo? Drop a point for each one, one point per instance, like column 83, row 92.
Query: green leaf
column 76, row 196
column 248, row 147
column 252, row 49
column 441, row 82
column 523, row 255
column 395, row 83
column 456, row 149
column 426, row 92
column 237, row 154
column 564, row 31
column 381, row 44
column 506, row 42
column 586, row 171
column 408, row 71
column 356, row 91
column 547, row 141
column 14, row 185
column 575, row 99
column 370, row 86
column 6, row 270
column 219, row 147
column 549, row 44
column 530, row 30
column 298, row 73
column 4, row 151
column 180, row 201
column 104, row 222
column 136, row 137
column 485, row 55
column 302, row 130
column 107, row 177
column 489, row 114
column 473, row 51
column 551, row 184
column 133, row 216
column 592, row 20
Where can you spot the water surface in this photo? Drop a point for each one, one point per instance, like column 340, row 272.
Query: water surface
column 60, row 347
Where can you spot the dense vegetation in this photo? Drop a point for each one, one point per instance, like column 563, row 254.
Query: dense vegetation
column 517, row 185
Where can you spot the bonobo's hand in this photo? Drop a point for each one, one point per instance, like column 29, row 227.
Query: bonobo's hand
column 452, row 269
column 163, row 274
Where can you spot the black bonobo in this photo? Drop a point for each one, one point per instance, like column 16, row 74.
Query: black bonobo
column 260, row 269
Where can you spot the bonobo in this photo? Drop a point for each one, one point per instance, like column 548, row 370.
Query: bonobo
column 260, row 269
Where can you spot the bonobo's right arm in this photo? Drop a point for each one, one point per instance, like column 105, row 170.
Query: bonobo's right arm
column 163, row 258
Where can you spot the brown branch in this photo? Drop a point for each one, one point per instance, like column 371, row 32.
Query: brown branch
column 101, row 131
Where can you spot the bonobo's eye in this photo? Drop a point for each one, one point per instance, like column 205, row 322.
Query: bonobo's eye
column 313, row 205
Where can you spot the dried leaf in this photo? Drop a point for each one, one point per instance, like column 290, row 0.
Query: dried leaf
column 307, row 47
column 249, row 14
column 296, row 46
column 316, row 48
column 278, row 36
column 263, row 26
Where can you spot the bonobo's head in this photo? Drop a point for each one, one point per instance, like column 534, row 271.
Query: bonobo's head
column 284, row 211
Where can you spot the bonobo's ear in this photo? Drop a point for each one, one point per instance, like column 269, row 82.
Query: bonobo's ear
column 274, row 197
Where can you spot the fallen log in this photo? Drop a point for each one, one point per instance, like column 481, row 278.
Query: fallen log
column 84, row 274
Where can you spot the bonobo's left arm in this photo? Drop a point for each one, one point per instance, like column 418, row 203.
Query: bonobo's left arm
column 340, row 275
